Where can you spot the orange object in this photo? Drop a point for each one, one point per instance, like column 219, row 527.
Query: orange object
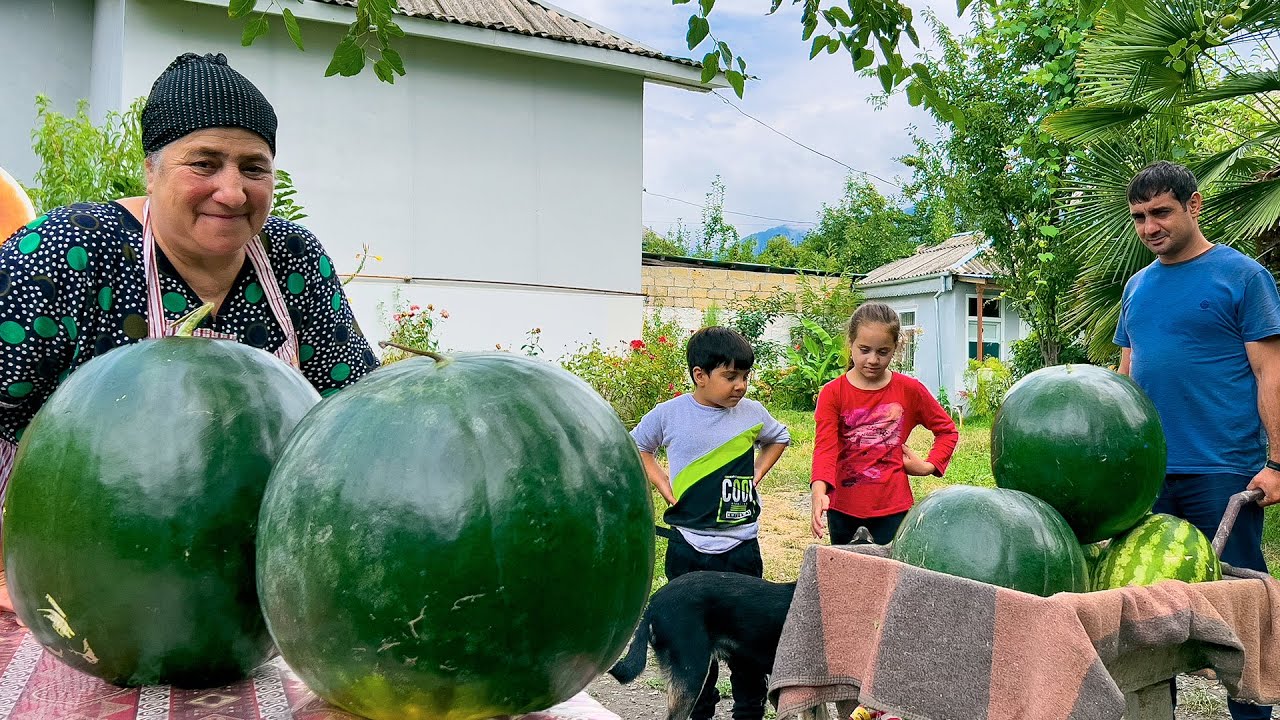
column 15, row 206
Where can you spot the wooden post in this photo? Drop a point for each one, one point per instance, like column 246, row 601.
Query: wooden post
column 980, row 316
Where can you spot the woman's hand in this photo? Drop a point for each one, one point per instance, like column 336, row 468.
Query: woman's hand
column 914, row 465
column 821, row 501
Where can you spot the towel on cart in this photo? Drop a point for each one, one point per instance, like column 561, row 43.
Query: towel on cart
column 930, row 646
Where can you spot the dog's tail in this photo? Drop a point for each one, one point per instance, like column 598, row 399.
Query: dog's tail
column 632, row 664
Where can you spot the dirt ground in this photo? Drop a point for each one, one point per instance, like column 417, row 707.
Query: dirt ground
column 645, row 699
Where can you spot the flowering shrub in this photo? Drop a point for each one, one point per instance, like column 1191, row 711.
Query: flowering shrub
column 412, row 326
column 640, row 374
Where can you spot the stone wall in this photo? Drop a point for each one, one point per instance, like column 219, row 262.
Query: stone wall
column 684, row 294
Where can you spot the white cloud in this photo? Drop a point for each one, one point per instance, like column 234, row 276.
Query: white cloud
column 691, row 137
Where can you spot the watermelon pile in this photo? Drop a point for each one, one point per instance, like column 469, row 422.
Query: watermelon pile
column 1086, row 444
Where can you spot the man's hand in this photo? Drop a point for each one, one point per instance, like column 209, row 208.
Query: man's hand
column 914, row 465
column 1268, row 481
column 821, row 501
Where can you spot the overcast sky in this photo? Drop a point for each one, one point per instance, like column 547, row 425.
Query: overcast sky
column 690, row 137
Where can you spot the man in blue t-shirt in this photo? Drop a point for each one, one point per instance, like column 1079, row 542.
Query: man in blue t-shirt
column 1199, row 331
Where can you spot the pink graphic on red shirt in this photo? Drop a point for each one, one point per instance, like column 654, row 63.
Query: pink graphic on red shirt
column 869, row 443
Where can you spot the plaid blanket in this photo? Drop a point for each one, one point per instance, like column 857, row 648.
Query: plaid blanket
column 35, row 685
column 929, row 646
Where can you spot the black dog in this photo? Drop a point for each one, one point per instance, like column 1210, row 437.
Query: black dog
column 702, row 617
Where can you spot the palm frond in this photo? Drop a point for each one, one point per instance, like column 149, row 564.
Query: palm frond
column 1237, row 85
column 1238, row 215
column 1086, row 124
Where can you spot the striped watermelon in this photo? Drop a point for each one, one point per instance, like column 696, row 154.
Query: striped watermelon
column 1161, row 547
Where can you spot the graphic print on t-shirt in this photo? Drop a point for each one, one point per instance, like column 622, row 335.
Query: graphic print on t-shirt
column 716, row 490
column 870, row 436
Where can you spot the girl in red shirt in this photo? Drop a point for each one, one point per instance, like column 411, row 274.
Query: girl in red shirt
column 860, row 458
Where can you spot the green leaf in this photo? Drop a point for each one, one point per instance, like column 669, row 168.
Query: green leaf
column 726, row 54
column 1049, row 231
column 737, row 80
column 915, row 93
column 962, row 5
column 706, row 6
column 240, row 8
column 385, row 73
column 679, row 2
column 864, row 59
column 710, row 66
column 291, row 25
column 393, row 58
column 1179, row 66
column 911, row 33
column 348, row 59
column 886, row 77
column 837, row 16
column 819, row 44
column 699, row 28
column 254, row 29
column 393, row 29
column 742, row 65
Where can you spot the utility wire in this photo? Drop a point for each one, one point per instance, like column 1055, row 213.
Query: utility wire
column 850, row 168
column 728, row 212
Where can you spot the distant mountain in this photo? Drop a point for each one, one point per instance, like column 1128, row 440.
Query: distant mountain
column 792, row 233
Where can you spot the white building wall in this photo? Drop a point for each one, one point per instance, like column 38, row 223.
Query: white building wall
column 47, row 47
column 502, row 186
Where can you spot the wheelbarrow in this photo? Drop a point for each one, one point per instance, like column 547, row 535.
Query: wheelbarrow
column 1145, row 678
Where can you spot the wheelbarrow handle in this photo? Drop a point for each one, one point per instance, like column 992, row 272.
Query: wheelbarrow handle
column 1237, row 501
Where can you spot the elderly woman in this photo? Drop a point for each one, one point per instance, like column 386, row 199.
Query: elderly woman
column 90, row 277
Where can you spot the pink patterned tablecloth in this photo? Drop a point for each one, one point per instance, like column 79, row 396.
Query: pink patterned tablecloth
column 35, row 685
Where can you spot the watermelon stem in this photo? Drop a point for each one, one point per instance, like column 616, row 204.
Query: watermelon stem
column 414, row 351
column 186, row 325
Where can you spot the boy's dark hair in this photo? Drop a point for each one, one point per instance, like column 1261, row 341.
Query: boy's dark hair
column 1162, row 177
column 713, row 347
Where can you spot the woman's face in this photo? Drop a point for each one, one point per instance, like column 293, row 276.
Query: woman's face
column 211, row 191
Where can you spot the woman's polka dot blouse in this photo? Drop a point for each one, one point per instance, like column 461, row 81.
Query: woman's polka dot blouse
column 72, row 287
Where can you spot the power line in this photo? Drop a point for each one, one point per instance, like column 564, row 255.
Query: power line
column 728, row 212
column 850, row 168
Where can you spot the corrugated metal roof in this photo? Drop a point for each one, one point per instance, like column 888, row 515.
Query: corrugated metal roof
column 960, row 255
column 524, row 17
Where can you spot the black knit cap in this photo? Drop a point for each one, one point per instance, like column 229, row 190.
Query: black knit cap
column 197, row 92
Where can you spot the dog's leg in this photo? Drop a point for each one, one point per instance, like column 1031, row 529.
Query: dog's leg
column 684, row 684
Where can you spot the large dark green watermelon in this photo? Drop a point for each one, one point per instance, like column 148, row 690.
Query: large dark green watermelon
column 1002, row 537
column 130, row 516
column 1085, row 440
column 458, row 541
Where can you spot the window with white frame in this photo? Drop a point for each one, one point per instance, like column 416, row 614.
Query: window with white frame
column 904, row 358
column 992, row 327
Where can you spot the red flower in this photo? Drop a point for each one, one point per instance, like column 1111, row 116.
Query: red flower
column 414, row 307
column 671, row 386
column 797, row 347
column 663, row 339
column 677, row 394
column 637, row 344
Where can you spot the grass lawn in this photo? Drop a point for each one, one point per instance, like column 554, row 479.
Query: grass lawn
column 784, row 525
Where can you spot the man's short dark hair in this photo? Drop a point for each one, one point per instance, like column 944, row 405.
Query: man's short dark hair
column 715, row 347
column 1162, row 177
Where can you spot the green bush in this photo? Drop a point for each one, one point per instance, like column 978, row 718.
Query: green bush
column 986, row 383
column 635, row 378
column 1027, row 358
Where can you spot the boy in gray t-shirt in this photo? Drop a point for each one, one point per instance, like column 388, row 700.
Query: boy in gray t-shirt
column 711, row 436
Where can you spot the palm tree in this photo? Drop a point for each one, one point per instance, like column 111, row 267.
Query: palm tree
column 1185, row 80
